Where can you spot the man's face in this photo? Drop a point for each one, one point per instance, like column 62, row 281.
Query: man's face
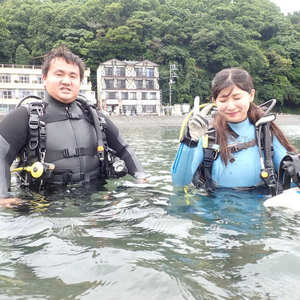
column 62, row 81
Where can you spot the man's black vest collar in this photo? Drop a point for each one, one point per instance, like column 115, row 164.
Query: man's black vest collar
column 50, row 100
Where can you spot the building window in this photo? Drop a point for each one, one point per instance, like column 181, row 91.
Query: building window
column 109, row 83
column 129, row 109
column 120, row 71
column 152, row 96
column 149, row 72
column 149, row 108
column 7, row 94
column 139, row 84
column 139, row 72
column 121, row 83
column 111, row 95
column 24, row 78
column 144, row 96
column 124, row 95
column 5, row 78
column 108, row 71
column 24, row 93
column 150, row 84
column 38, row 80
column 132, row 96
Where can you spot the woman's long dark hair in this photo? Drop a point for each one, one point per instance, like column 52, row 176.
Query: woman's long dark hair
column 242, row 79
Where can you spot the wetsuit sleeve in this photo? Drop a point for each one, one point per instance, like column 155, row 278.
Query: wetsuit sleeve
column 186, row 163
column 13, row 136
column 123, row 151
column 279, row 152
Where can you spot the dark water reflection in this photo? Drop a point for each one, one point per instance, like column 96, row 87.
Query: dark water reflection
column 129, row 241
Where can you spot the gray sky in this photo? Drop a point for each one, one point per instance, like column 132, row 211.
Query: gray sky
column 288, row 6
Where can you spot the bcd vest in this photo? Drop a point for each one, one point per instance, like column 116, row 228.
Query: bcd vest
column 66, row 136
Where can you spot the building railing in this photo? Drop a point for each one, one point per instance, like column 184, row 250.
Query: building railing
column 20, row 66
column 130, row 76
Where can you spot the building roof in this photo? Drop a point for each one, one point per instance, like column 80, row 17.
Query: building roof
column 117, row 62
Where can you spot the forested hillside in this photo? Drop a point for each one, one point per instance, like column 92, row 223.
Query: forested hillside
column 200, row 36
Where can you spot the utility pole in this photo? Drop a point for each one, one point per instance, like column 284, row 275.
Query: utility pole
column 172, row 75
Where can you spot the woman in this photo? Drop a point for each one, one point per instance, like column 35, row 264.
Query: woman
column 238, row 163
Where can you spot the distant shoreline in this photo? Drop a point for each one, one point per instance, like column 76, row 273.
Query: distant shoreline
column 176, row 121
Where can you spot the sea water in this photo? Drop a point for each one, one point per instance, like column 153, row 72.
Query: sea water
column 129, row 241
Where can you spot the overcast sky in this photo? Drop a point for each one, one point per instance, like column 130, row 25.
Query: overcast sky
column 288, row 6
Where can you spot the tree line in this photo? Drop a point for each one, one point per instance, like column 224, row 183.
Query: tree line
column 200, row 36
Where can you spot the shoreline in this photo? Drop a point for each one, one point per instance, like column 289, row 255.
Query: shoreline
column 176, row 121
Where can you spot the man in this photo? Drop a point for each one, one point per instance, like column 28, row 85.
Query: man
column 69, row 139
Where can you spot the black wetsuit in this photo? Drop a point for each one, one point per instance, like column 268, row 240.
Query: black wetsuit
column 71, row 143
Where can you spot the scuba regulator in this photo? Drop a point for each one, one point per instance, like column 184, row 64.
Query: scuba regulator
column 115, row 167
column 289, row 170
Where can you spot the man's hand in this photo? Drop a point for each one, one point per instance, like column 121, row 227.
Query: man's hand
column 11, row 202
column 197, row 126
column 141, row 180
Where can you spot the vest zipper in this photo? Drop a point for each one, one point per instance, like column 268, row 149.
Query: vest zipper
column 67, row 111
column 67, row 108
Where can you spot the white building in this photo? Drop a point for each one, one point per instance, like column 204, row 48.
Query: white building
column 129, row 87
column 17, row 82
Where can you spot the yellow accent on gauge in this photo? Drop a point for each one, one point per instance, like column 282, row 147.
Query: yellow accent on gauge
column 205, row 141
column 187, row 195
column 36, row 170
column 100, row 148
column 264, row 174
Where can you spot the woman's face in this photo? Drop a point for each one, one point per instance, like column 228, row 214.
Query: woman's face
column 234, row 103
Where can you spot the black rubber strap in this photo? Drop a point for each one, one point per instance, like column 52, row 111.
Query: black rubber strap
column 67, row 153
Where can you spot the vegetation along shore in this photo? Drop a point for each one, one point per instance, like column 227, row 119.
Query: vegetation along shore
column 198, row 37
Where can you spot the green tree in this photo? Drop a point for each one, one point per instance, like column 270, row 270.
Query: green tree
column 22, row 56
column 5, row 42
column 200, row 36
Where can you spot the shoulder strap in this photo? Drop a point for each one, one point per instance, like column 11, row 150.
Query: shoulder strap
column 91, row 110
column 265, row 147
column 36, row 146
column 104, row 153
column 202, row 176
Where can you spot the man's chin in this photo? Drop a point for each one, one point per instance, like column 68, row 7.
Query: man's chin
column 66, row 100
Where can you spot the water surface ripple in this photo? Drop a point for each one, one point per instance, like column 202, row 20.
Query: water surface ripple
column 149, row 241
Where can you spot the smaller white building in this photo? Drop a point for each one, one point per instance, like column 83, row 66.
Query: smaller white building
column 18, row 81
column 129, row 87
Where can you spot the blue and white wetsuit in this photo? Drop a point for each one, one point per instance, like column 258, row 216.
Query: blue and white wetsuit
column 243, row 172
